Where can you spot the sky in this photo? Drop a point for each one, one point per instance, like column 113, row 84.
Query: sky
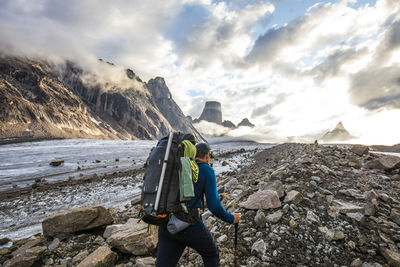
column 294, row 68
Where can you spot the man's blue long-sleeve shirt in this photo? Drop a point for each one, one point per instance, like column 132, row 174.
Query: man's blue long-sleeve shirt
column 207, row 184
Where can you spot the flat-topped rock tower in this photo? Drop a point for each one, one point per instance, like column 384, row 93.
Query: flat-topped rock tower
column 212, row 112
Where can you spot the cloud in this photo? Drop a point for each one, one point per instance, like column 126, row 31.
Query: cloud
column 123, row 32
column 377, row 85
column 216, row 33
column 337, row 62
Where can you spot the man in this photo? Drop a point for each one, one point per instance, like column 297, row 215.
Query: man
column 198, row 237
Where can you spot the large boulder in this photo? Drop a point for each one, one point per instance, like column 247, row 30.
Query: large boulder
column 274, row 186
column 27, row 254
column 101, row 257
column 132, row 237
column 266, row 199
column 360, row 149
column 385, row 163
column 75, row 220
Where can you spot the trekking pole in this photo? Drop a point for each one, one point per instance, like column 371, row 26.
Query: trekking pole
column 164, row 168
column 235, row 251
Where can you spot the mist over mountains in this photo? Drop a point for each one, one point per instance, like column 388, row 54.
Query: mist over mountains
column 42, row 99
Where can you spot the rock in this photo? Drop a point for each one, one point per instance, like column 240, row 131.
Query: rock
column 375, row 264
column 274, row 217
column 354, row 162
column 103, row 256
column 327, row 233
column 75, row 220
column 79, row 257
column 312, row 217
column 384, row 197
column 316, row 179
column 133, row 237
column 4, row 240
column 331, row 235
column 237, row 194
column 222, row 239
column 345, row 207
column 392, row 257
column 136, row 199
column 26, row 256
column 50, row 261
column 279, row 174
column 338, row 235
column 231, row 184
column 356, row 263
column 369, row 209
column 370, row 195
column 265, row 199
column 145, row 262
column 293, row 223
column 351, row 244
column 385, row 163
column 293, row 196
column 395, row 216
column 352, row 193
column 205, row 215
column 360, row 149
column 260, row 219
column 4, row 251
column 358, row 216
column 259, row 247
column 54, row 244
column 275, row 186
column 56, row 163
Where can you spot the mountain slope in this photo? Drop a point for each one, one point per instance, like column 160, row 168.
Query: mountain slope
column 167, row 106
column 40, row 100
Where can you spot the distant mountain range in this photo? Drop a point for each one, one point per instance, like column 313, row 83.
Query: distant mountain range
column 212, row 113
column 39, row 99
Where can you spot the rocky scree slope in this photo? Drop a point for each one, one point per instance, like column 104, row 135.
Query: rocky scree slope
column 301, row 205
column 43, row 100
column 306, row 205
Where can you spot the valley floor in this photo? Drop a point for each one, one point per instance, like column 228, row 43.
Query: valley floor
column 338, row 206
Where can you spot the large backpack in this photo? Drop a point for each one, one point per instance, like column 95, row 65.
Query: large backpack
column 161, row 193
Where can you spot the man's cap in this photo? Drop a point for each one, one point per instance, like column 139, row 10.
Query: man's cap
column 203, row 148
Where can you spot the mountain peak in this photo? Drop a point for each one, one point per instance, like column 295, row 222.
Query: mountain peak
column 339, row 126
column 339, row 133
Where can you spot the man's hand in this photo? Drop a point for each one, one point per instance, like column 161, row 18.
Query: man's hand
column 236, row 217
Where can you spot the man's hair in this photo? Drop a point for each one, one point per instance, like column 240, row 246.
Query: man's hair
column 201, row 154
column 202, row 150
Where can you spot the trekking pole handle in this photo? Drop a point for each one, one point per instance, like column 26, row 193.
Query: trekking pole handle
column 164, row 168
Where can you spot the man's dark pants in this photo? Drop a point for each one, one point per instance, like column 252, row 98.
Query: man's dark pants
column 171, row 247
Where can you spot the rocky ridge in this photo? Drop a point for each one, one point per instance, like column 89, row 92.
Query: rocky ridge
column 39, row 99
column 212, row 112
column 301, row 205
